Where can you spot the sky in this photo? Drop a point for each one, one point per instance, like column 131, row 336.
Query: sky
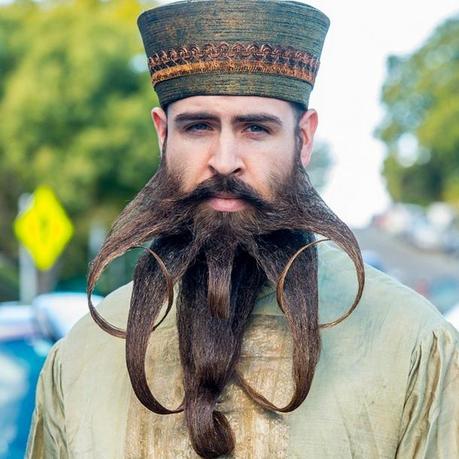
column 347, row 92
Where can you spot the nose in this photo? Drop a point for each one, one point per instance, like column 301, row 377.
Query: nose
column 224, row 158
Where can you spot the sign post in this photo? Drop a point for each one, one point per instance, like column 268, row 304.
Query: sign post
column 27, row 271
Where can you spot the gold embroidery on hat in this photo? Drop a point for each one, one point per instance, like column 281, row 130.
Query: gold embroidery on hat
column 235, row 58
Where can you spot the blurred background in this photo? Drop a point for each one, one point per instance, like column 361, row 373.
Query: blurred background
column 77, row 143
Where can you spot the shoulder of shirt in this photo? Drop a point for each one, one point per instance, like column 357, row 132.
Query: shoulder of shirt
column 384, row 294
column 386, row 304
column 86, row 337
column 114, row 308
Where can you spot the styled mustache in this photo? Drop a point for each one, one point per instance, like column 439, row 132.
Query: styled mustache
column 225, row 184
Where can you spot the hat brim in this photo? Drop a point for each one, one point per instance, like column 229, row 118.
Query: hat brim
column 234, row 84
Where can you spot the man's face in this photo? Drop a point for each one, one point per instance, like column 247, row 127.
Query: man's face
column 251, row 138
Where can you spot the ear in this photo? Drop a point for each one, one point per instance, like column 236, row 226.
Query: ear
column 308, row 125
column 159, row 118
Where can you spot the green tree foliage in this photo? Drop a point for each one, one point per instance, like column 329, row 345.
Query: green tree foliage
column 74, row 109
column 421, row 126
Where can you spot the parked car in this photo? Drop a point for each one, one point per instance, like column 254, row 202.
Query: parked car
column 27, row 333
column 23, row 350
column 57, row 312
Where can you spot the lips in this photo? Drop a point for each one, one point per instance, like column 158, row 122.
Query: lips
column 226, row 202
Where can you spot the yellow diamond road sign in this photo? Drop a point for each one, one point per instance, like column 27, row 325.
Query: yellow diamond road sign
column 44, row 228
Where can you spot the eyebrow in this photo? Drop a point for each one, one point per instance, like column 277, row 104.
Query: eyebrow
column 257, row 118
column 195, row 116
column 249, row 118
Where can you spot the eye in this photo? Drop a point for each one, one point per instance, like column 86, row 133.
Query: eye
column 256, row 128
column 197, row 127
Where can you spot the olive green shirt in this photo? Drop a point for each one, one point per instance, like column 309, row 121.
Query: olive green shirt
column 386, row 385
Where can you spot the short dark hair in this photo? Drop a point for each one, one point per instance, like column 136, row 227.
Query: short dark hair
column 298, row 110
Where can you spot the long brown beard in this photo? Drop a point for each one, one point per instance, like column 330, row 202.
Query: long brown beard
column 220, row 262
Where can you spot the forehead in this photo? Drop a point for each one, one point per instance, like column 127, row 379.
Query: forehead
column 231, row 106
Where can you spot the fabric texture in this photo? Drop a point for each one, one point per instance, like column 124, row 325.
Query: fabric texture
column 268, row 48
column 386, row 385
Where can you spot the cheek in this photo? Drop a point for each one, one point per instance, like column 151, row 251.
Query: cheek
column 186, row 165
column 270, row 169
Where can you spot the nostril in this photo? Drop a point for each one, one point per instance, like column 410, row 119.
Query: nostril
column 224, row 169
column 215, row 171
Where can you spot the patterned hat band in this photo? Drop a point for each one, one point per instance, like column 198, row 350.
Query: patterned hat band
column 233, row 58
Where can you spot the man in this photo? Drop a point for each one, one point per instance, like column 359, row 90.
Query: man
column 268, row 344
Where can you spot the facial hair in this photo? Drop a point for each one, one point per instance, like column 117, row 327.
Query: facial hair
column 220, row 261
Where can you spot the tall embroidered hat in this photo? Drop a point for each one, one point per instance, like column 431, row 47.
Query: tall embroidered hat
column 268, row 48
